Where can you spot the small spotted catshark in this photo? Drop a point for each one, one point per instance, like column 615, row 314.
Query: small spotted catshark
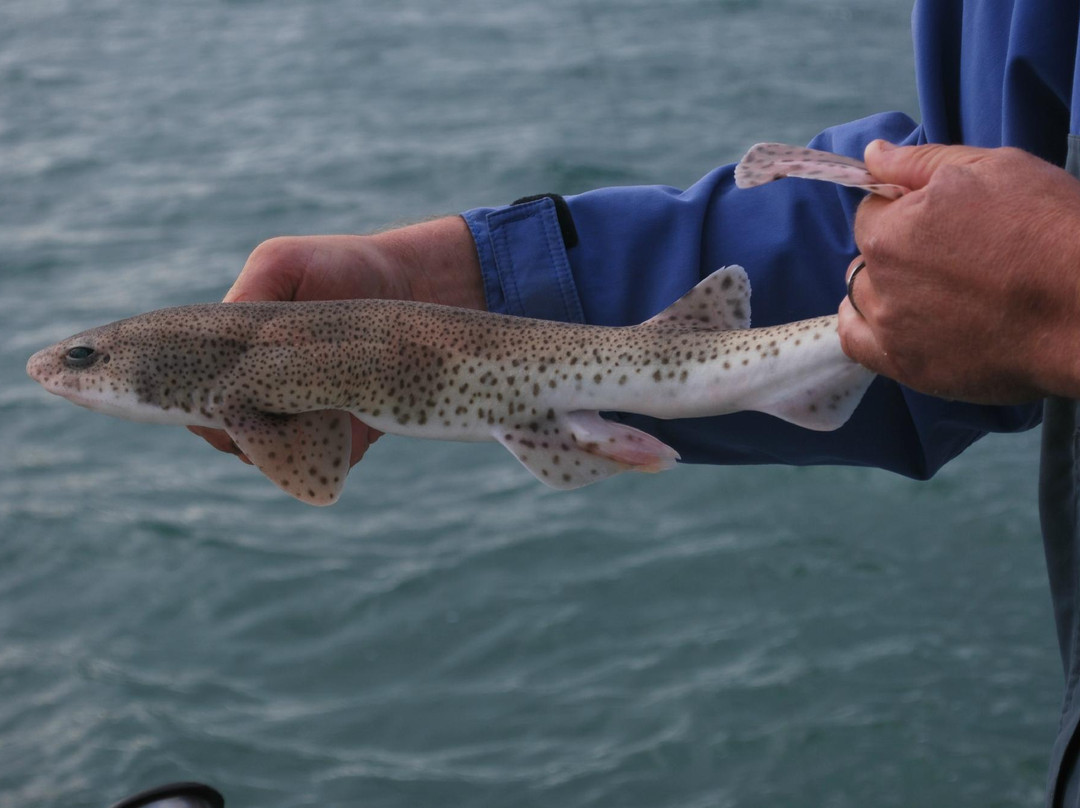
column 280, row 378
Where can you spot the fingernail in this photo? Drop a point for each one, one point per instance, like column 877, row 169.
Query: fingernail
column 877, row 147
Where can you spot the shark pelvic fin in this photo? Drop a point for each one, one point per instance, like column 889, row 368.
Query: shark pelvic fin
column 306, row 455
column 720, row 302
column 578, row 448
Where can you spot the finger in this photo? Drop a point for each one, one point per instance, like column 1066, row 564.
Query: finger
column 858, row 259
column 858, row 264
column 220, row 440
column 866, row 223
column 913, row 166
column 363, row 436
column 857, row 339
column 860, row 289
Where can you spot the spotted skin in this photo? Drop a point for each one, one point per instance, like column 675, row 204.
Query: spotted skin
column 765, row 162
column 280, row 378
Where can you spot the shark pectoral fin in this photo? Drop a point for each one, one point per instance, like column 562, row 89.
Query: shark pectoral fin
column 720, row 302
column 579, row 448
column 306, row 455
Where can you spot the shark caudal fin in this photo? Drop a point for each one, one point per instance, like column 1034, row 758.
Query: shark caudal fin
column 306, row 455
column 574, row 449
column 720, row 302
column 765, row 162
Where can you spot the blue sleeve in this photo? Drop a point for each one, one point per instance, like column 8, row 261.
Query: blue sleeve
column 640, row 248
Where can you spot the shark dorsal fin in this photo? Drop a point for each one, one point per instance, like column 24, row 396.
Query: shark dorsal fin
column 721, row 302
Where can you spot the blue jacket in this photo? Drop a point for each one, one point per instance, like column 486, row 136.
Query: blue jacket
column 989, row 73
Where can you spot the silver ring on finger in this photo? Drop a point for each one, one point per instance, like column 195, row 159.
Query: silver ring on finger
column 859, row 267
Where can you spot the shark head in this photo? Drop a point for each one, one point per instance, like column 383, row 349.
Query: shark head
column 93, row 370
column 206, row 366
column 150, row 368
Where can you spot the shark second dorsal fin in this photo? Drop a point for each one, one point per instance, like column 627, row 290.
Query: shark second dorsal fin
column 306, row 455
column 721, row 302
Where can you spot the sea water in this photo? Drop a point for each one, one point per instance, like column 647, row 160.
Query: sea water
column 452, row 633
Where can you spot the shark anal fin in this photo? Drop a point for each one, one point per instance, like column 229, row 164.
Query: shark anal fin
column 826, row 404
column 578, row 448
column 822, row 389
column 306, row 455
column 720, row 302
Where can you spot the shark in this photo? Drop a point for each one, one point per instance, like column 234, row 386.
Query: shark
column 281, row 378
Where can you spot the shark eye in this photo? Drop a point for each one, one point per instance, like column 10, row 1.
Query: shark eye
column 81, row 356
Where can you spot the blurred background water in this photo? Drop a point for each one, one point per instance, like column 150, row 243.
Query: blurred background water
column 452, row 633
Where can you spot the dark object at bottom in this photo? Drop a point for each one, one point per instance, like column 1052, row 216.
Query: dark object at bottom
column 175, row 795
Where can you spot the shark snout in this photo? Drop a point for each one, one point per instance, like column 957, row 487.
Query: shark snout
column 46, row 369
column 40, row 366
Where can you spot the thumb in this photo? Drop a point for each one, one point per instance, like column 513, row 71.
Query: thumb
column 913, row 166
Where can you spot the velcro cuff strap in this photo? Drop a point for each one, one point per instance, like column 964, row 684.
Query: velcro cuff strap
column 562, row 212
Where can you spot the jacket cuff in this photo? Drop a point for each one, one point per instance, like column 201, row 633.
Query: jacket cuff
column 523, row 260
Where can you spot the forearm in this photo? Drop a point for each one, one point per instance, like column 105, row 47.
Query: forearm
column 434, row 261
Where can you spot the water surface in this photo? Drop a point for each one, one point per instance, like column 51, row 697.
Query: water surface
column 452, row 633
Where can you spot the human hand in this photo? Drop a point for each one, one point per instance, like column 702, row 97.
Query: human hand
column 434, row 262
column 971, row 288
